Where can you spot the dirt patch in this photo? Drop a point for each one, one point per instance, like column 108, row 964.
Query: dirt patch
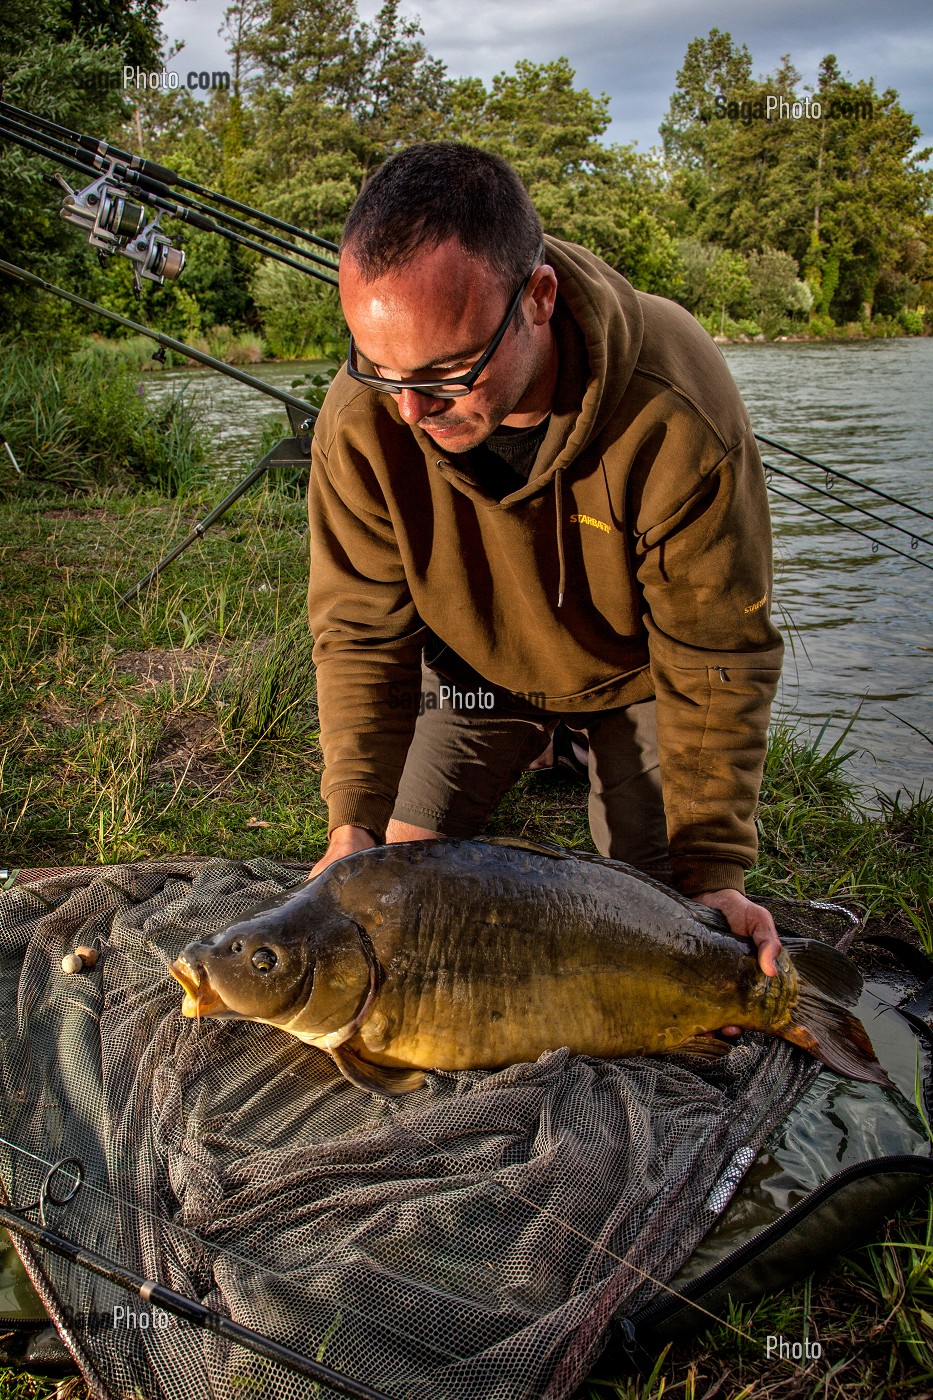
column 162, row 666
column 187, row 751
column 55, row 713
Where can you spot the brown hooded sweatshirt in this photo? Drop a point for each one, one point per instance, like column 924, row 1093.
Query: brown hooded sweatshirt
column 635, row 562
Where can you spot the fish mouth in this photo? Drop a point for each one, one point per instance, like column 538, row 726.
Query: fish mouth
column 200, row 999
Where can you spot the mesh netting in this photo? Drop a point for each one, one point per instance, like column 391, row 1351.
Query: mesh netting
column 472, row 1239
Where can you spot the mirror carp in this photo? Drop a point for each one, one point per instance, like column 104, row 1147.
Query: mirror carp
column 460, row 955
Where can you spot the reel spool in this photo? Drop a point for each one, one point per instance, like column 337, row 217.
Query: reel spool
column 118, row 216
column 115, row 223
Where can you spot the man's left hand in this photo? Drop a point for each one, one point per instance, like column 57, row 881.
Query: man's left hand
column 747, row 920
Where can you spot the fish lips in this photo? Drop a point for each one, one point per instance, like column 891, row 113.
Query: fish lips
column 200, row 999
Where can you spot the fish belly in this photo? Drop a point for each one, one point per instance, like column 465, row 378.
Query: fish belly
column 461, row 1020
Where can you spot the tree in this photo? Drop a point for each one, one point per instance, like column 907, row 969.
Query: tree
column 727, row 285
column 62, row 61
column 839, row 187
column 712, row 68
column 775, row 291
column 601, row 196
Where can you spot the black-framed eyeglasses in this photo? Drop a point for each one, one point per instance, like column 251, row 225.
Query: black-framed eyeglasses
column 457, row 386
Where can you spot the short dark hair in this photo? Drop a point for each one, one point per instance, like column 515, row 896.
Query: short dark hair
column 437, row 190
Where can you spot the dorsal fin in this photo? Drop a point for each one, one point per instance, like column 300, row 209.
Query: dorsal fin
column 711, row 918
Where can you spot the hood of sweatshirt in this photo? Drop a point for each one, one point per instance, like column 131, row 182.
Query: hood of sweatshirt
column 599, row 325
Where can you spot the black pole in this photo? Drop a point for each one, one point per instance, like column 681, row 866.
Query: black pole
column 282, row 454
column 881, row 544
column 308, row 412
column 834, row 471
column 849, row 505
column 101, row 151
column 187, row 1308
column 143, row 190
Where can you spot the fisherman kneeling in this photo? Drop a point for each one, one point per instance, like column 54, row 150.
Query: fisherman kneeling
column 532, row 479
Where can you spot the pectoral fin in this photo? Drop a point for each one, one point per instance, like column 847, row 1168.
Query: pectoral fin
column 704, row 1047
column 376, row 1079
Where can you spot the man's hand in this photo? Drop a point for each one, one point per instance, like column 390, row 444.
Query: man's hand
column 747, row 920
column 344, row 840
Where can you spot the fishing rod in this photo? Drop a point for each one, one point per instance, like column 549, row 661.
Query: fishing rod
column 55, row 149
column 843, row 476
column 912, row 535
column 169, row 1299
column 115, row 224
column 102, row 150
column 308, row 413
column 875, row 543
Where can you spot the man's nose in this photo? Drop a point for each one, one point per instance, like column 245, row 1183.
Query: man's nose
column 414, row 406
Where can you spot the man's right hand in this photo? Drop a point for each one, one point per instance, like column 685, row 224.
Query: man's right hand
column 344, row 840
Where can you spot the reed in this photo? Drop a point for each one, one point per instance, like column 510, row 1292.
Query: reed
column 80, row 422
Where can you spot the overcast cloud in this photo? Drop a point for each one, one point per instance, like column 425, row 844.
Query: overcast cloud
column 631, row 49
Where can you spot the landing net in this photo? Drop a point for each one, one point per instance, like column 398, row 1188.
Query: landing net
column 473, row 1239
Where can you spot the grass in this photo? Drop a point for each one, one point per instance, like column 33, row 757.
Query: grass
column 186, row 723
column 79, row 422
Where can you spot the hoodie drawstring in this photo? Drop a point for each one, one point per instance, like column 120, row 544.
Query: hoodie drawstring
column 558, row 500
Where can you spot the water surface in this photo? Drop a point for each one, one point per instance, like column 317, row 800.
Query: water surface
column 859, row 625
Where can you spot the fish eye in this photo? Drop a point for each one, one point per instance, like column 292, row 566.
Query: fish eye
column 264, row 960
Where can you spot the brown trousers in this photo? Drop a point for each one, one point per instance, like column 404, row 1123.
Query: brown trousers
column 473, row 740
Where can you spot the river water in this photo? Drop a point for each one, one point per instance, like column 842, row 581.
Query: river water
column 858, row 623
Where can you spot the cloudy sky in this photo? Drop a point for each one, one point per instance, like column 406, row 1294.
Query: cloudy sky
column 631, row 49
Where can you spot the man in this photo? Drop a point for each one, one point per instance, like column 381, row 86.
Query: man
column 543, row 484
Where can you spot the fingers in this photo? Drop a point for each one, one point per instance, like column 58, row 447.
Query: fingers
column 769, row 946
column 344, row 841
column 747, row 920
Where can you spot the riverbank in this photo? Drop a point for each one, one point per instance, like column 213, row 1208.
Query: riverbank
column 186, row 723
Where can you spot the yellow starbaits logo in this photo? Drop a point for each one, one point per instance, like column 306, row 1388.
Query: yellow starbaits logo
column 754, row 607
column 591, row 520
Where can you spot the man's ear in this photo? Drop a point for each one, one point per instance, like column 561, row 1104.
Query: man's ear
column 543, row 288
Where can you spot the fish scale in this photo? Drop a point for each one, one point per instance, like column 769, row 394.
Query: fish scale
column 460, row 955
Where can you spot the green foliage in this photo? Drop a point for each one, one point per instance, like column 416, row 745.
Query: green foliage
column 845, row 194
column 82, row 422
column 301, row 316
column 744, row 220
column 728, row 285
column 59, row 60
column 775, row 291
column 911, row 322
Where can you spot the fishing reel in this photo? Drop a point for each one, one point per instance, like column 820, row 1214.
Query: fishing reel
column 115, row 223
column 153, row 255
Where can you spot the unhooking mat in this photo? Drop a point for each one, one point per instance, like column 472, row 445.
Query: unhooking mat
column 472, row 1239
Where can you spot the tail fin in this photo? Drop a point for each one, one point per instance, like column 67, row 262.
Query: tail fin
column 829, row 982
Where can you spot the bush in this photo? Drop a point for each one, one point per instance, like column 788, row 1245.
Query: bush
column 80, row 421
column 301, row 315
column 911, row 322
column 775, row 290
column 733, row 329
